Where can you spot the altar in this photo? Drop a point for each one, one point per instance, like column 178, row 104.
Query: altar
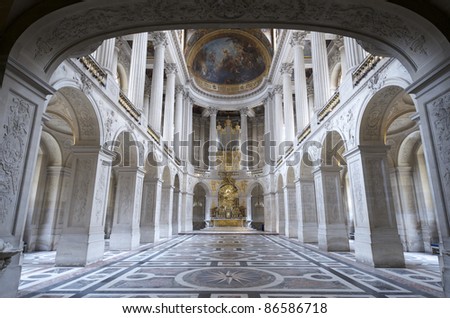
column 228, row 222
column 228, row 213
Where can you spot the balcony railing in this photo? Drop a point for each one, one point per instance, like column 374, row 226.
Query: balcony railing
column 305, row 133
column 94, row 68
column 129, row 107
column 153, row 134
column 328, row 108
column 364, row 68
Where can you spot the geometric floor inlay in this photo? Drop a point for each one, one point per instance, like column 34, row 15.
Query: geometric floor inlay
column 229, row 265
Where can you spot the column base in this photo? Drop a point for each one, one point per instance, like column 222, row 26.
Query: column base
column 10, row 279
column 444, row 262
column 333, row 238
column 379, row 250
column 80, row 249
column 124, row 240
column 149, row 234
column 308, row 233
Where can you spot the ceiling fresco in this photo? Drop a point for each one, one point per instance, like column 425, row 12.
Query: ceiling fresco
column 228, row 61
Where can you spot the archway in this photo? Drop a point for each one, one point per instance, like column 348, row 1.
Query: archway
column 199, row 207
column 281, row 220
column 45, row 217
column 416, row 42
column 332, row 220
column 128, row 177
column 165, row 223
column 176, row 206
column 290, row 203
column 257, row 207
column 307, row 208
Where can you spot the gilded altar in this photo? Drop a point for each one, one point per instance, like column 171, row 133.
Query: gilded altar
column 228, row 212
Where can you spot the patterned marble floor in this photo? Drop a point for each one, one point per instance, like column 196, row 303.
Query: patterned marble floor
column 229, row 265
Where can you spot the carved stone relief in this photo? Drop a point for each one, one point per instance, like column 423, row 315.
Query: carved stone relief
column 386, row 24
column 81, row 185
column 440, row 125
column 16, row 131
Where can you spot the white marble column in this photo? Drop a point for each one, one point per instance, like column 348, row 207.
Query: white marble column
column 212, row 137
column 125, row 233
column 278, row 125
column 171, row 70
column 150, row 210
column 106, row 56
column 307, row 211
column 409, row 210
column 189, row 128
column 137, row 70
column 377, row 242
column 244, row 138
column 354, row 54
column 179, row 95
column 269, row 149
column 165, row 223
column 290, row 203
column 332, row 230
column 301, row 93
column 82, row 241
column 289, row 129
column 50, row 209
column 159, row 40
column 321, row 78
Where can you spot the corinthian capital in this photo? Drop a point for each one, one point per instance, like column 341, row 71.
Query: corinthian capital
column 171, row 68
column 158, row 38
column 286, row 68
column 278, row 89
column 244, row 111
column 212, row 111
column 298, row 38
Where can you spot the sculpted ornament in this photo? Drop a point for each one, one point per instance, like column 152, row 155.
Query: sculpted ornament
column 12, row 149
column 440, row 118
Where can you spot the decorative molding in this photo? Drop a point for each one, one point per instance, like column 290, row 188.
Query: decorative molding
column 17, row 131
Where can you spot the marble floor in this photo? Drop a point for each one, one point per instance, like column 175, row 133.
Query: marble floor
column 229, row 265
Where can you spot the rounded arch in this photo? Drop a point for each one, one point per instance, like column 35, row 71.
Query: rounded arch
column 72, row 105
column 199, row 208
column 336, row 76
column 333, row 148
column 401, row 33
column 122, row 78
column 51, row 149
column 290, row 176
column 409, row 149
column 128, row 151
column 381, row 110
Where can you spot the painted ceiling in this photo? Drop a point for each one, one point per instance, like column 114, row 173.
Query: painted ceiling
column 230, row 61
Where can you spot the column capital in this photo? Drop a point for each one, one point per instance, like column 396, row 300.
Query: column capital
column 298, row 38
column 171, row 68
column 339, row 41
column 244, row 111
column 286, row 68
column 278, row 89
column 179, row 89
column 158, row 38
column 211, row 111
